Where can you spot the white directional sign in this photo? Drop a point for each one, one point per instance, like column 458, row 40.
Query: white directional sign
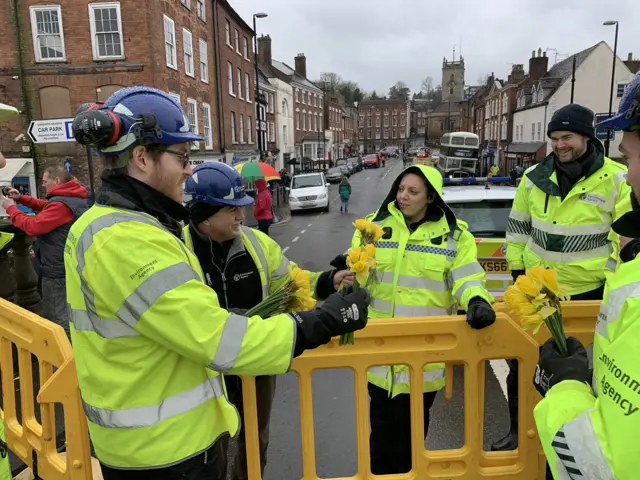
column 51, row 131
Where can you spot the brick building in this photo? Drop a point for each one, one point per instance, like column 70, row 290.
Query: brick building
column 236, row 78
column 308, row 101
column 334, row 124
column 350, row 129
column 63, row 55
column 385, row 124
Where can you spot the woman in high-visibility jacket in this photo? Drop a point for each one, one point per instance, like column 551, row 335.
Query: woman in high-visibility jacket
column 426, row 265
column 150, row 340
column 588, row 425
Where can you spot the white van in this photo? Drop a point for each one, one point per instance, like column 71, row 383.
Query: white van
column 309, row 191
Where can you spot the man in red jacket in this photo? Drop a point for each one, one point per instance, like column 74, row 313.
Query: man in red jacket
column 65, row 202
column 262, row 207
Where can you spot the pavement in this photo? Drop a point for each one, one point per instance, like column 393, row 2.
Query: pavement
column 312, row 239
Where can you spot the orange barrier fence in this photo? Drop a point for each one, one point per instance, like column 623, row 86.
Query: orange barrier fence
column 411, row 341
column 33, row 441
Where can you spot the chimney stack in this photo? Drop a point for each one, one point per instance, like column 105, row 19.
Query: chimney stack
column 264, row 50
column 538, row 65
column 517, row 73
column 301, row 65
column 630, row 57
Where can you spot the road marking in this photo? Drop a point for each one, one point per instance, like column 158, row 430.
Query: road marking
column 309, row 225
column 302, row 231
column 367, row 178
column 284, row 250
column 501, row 370
column 295, row 239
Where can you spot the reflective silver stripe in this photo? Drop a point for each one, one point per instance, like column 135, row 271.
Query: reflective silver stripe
column 517, row 238
column 382, row 305
column 611, row 264
column 521, row 216
column 579, row 449
column 380, row 371
column 282, row 270
column 570, row 230
column 154, row 287
column 415, row 311
column 615, row 301
column 619, row 177
column 464, row 271
column 105, row 327
column 230, row 343
column 412, row 282
column 565, row 257
column 85, row 242
column 261, row 258
column 432, row 376
column 150, row 415
column 464, row 286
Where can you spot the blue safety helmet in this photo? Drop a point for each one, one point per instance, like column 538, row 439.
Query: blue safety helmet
column 131, row 108
column 628, row 116
column 217, row 184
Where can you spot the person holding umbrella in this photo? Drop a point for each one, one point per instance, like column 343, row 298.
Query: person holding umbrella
column 262, row 207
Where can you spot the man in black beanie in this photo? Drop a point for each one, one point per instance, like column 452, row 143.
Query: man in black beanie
column 561, row 218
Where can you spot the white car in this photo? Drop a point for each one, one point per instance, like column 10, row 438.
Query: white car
column 309, row 191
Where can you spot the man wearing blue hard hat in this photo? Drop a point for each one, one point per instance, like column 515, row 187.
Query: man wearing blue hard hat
column 150, row 339
column 243, row 266
column 587, row 423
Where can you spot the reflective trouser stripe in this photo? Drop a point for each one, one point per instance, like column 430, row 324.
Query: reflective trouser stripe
column 412, row 282
column 379, row 371
column 465, row 286
column 261, row 258
column 150, row 415
column 579, row 450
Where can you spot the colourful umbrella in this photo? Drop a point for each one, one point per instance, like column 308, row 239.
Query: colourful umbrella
column 252, row 171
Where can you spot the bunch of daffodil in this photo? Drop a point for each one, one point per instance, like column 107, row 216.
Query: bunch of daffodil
column 293, row 296
column 536, row 297
column 361, row 260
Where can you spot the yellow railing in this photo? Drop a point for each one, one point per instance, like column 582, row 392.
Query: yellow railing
column 412, row 341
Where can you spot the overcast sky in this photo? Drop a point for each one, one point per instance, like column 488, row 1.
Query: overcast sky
column 378, row 42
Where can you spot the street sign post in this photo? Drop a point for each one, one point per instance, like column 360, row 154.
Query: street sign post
column 68, row 166
column 51, row 131
column 604, row 133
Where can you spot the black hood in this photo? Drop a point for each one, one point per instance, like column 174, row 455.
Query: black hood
column 383, row 211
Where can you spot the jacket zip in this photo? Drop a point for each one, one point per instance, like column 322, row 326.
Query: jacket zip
column 546, row 203
column 222, row 273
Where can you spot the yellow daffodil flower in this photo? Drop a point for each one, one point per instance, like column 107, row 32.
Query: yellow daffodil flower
column 353, row 255
column 514, row 296
column 536, row 274
column 370, row 249
column 528, row 286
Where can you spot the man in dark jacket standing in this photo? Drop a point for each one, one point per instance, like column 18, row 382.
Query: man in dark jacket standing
column 65, row 202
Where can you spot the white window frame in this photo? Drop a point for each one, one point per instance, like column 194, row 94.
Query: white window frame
column 92, row 28
column 249, row 129
column 247, row 87
column 241, row 123
column 202, row 10
column 236, row 38
column 272, row 100
column 193, row 127
column 34, row 32
column 272, row 132
column 230, row 80
column 233, row 127
column 170, row 49
column 245, row 47
column 186, row 3
column 619, row 90
column 187, row 41
column 227, row 28
column 297, row 119
column 206, row 126
column 239, row 82
column 204, row 60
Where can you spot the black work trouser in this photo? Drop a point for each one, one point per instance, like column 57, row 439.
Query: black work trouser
column 206, row 466
column 265, row 391
column 512, row 377
column 263, row 226
column 390, row 439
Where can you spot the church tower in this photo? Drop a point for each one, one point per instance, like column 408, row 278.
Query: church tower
column 452, row 79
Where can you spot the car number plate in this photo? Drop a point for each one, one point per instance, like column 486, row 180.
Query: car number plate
column 495, row 266
column 309, row 204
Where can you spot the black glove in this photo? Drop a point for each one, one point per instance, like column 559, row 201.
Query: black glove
column 553, row 368
column 238, row 311
column 630, row 250
column 480, row 314
column 339, row 262
column 339, row 314
column 516, row 273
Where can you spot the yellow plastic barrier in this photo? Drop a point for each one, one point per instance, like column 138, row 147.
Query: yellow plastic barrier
column 415, row 342
column 32, row 441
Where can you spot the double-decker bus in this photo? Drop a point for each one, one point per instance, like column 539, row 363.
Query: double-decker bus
column 459, row 151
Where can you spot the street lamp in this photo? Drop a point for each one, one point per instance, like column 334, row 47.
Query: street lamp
column 610, row 23
column 261, row 147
